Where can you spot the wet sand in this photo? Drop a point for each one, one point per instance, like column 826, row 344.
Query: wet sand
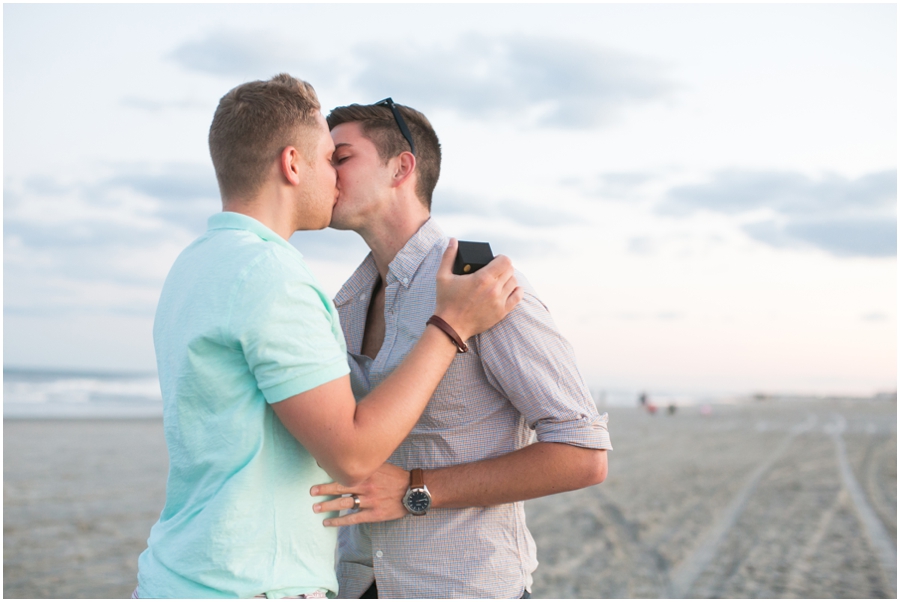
column 766, row 499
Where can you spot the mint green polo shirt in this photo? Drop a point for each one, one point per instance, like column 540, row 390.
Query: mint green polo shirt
column 241, row 323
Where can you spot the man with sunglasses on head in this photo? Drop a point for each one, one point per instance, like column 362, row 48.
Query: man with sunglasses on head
column 444, row 518
column 253, row 369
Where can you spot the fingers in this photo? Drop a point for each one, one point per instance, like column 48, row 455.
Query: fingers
column 499, row 266
column 517, row 295
column 508, row 287
column 363, row 516
column 335, row 505
column 449, row 257
column 329, row 489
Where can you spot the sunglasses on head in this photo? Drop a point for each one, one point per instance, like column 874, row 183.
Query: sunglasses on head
column 389, row 102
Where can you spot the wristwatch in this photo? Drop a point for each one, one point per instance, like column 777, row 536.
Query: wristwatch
column 417, row 499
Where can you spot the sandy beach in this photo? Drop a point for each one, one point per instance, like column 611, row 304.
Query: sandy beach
column 762, row 499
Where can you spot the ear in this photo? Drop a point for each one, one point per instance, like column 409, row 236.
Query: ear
column 290, row 164
column 405, row 167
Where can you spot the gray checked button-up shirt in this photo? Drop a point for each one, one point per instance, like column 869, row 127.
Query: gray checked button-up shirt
column 518, row 379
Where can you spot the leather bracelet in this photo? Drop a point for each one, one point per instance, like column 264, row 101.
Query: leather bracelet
column 438, row 321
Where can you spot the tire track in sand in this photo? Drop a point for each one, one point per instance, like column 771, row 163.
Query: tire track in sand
column 687, row 572
column 878, row 489
column 798, row 575
column 648, row 576
column 878, row 536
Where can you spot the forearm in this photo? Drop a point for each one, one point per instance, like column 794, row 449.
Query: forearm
column 351, row 440
column 534, row 471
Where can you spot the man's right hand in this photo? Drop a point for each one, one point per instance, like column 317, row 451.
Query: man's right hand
column 473, row 303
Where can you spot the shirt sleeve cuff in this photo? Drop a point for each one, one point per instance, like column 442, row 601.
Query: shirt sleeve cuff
column 301, row 384
column 583, row 432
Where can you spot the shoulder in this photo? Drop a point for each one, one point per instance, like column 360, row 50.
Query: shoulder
column 531, row 302
column 265, row 276
column 526, row 286
column 265, row 263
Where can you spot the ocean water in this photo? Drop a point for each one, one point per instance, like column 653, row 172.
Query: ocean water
column 29, row 393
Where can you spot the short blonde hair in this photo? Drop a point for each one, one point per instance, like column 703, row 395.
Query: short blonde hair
column 253, row 123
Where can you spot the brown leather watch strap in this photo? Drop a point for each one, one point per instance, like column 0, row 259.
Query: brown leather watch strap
column 416, row 478
column 438, row 321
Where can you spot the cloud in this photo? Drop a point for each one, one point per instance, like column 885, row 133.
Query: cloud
column 842, row 216
column 453, row 202
column 513, row 247
column 662, row 316
column 187, row 194
column 552, row 82
column 874, row 316
column 642, row 245
column 669, row 316
column 251, row 55
column 555, row 82
column 155, row 106
column 65, row 241
column 519, row 212
column 735, row 191
column 171, row 183
column 537, row 216
column 843, row 237
column 614, row 186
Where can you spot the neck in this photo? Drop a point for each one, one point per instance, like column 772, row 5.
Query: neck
column 387, row 235
column 267, row 207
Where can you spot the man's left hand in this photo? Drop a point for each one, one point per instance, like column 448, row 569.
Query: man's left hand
column 380, row 498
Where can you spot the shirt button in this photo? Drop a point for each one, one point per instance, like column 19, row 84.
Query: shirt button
column 406, row 281
column 362, row 297
column 379, row 554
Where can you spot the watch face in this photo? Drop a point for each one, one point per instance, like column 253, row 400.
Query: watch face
column 417, row 501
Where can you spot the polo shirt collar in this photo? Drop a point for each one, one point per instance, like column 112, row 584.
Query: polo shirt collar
column 229, row 220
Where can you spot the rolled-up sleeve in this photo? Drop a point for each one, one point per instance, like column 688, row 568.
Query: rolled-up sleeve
column 528, row 360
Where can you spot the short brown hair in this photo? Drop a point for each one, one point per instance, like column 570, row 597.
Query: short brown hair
column 379, row 126
column 253, row 123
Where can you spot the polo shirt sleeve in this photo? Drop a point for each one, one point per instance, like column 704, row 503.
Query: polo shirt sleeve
column 287, row 328
column 528, row 360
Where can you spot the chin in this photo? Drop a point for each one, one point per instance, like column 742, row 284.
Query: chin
column 337, row 223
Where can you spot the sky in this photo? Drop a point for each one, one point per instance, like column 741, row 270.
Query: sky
column 705, row 196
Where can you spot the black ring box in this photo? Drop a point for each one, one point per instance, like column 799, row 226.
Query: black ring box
column 471, row 257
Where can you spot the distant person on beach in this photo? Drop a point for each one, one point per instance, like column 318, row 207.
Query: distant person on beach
column 445, row 518
column 253, row 368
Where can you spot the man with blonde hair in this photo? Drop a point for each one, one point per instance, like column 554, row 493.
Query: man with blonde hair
column 253, row 368
column 445, row 518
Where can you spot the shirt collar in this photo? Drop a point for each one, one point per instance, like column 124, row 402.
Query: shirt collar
column 401, row 269
column 413, row 253
column 229, row 220
column 361, row 281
